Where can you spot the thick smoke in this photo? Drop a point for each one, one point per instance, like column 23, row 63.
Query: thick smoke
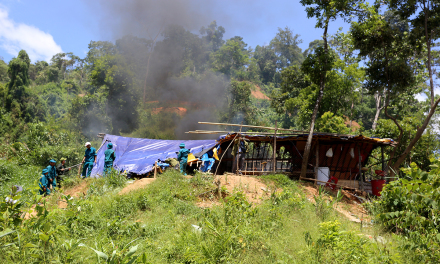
column 145, row 18
column 148, row 19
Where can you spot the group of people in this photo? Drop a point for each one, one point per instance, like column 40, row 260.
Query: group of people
column 89, row 159
column 208, row 161
column 52, row 175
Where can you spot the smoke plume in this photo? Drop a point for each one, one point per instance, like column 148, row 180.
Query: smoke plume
column 169, row 25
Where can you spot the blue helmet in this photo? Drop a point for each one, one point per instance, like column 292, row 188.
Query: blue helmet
column 45, row 171
column 110, row 145
column 182, row 145
column 52, row 160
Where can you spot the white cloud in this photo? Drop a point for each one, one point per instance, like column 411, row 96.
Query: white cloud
column 17, row 36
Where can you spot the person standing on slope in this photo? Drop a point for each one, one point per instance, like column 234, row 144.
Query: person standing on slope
column 44, row 183
column 52, row 175
column 61, row 171
column 89, row 160
column 182, row 157
column 109, row 158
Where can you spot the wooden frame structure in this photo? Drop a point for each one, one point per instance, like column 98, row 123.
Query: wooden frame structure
column 283, row 153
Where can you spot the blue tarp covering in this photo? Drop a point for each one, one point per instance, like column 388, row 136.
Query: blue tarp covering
column 138, row 155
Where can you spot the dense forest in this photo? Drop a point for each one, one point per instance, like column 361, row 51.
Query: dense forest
column 368, row 80
column 377, row 78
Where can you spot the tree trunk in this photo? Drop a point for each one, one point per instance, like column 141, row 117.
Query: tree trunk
column 315, row 110
column 416, row 138
column 434, row 104
column 378, row 98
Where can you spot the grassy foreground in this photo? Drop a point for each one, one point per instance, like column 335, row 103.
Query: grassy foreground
column 163, row 224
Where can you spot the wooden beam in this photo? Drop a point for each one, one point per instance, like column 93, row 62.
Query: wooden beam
column 238, row 125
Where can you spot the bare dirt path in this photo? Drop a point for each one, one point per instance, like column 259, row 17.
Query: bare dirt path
column 137, row 184
column 253, row 188
column 349, row 208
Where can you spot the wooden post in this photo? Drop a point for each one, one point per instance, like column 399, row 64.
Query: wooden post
column 155, row 169
column 275, row 148
column 360, row 168
column 317, row 160
column 79, row 170
column 245, row 169
column 383, row 159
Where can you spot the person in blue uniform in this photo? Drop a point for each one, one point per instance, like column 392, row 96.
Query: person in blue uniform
column 44, row 183
column 207, row 163
column 109, row 158
column 52, row 174
column 89, row 160
column 182, row 157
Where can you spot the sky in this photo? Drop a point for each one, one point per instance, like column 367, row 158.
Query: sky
column 44, row 28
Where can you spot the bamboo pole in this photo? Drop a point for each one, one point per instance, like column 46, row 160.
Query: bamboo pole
column 262, row 127
column 232, row 132
column 155, row 169
column 265, row 133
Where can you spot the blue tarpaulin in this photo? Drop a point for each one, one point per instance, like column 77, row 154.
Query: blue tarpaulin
column 138, row 155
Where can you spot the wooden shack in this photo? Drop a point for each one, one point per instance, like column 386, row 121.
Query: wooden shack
column 343, row 156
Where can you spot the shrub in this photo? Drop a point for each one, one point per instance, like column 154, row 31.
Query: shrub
column 410, row 206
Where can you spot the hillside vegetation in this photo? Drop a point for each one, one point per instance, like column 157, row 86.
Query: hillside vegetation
column 162, row 223
column 379, row 73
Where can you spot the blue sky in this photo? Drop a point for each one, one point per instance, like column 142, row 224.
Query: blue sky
column 44, row 28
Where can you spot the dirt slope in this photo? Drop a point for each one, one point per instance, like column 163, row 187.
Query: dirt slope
column 137, row 184
column 349, row 208
column 258, row 94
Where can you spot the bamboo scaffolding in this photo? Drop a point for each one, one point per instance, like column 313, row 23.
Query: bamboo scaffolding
column 273, row 128
column 232, row 132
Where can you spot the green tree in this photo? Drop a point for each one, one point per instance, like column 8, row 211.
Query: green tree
column 321, row 62
column 231, row 57
column 395, row 66
column 331, row 123
column 214, row 35
column 266, row 59
column 3, row 71
column 284, row 100
column 424, row 18
column 114, row 78
column 425, row 148
column 18, row 72
column 240, row 108
column 298, row 94
column 285, row 45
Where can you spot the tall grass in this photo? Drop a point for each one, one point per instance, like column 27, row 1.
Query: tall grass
column 164, row 225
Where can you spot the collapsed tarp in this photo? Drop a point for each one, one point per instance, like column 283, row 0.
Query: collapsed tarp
column 138, row 155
